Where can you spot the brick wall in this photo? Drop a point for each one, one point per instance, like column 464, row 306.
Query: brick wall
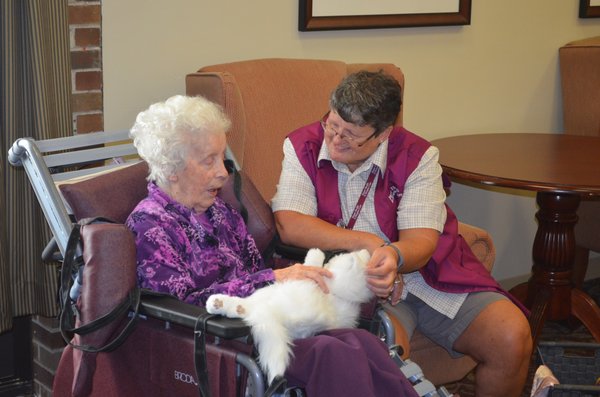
column 85, row 27
column 85, row 30
column 47, row 346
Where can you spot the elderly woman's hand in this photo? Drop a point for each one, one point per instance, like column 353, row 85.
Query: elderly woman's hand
column 302, row 272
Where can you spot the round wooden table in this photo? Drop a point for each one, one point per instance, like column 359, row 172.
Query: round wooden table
column 560, row 168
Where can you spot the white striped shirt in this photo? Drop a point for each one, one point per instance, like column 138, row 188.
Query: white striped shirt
column 422, row 206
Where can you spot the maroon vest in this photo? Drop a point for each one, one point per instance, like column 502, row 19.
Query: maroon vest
column 453, row 267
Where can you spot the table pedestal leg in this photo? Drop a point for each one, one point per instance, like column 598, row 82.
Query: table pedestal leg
column 549, row 292
column 587, row 311
column 554, row 251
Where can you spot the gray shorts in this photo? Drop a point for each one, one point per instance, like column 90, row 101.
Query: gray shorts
column 413, row 313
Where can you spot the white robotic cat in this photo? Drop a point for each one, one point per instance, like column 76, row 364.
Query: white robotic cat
column 294, row 309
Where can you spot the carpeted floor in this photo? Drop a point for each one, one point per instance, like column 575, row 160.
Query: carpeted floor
column 552, row 331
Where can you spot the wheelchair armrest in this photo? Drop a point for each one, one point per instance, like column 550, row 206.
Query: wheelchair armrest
column 168, row 308
column 290, row 251
column 374, row 319
column 51, row 253
column 298, row 254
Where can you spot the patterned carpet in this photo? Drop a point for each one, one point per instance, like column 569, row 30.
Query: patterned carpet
column 552, row 331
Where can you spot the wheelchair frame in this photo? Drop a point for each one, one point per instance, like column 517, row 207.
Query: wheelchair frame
column 45, row 161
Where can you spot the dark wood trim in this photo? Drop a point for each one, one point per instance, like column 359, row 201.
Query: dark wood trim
column 588, row 11
column 307, row 22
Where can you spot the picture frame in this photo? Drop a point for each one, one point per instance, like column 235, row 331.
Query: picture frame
column 344, row 18
column 589, row 8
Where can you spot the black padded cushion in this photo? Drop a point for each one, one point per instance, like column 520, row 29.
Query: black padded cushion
column 261, row 224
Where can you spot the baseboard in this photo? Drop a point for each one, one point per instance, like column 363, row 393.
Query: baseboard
column 15, row 387
column 510, row 282
column 593, row 270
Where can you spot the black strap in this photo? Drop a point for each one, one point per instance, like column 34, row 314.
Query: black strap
column 278, row 385
column 200, row 353
column 72, row 265
column 132, row 300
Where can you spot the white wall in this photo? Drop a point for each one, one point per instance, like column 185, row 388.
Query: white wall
column 499, row 74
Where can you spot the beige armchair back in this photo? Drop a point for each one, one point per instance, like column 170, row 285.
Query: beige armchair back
column 580, row 80
column 267, row 99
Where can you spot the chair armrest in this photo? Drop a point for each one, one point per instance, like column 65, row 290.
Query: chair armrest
column 170, row 309
column 290, row 252
column 481, row 243
column 298, row 254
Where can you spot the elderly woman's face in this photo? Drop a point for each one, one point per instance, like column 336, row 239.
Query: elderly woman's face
column 198, row 183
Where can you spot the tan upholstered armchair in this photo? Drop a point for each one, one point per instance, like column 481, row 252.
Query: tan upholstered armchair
column 580, row 79
column 268, row 98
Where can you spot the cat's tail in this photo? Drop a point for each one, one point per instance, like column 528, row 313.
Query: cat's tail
column 274, row 347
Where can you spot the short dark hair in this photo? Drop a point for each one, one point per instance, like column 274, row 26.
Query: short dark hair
column 368, row 98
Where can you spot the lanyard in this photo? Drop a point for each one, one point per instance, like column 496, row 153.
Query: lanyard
column 362, row 198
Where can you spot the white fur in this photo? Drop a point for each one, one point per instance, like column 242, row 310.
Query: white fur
column 296, row 309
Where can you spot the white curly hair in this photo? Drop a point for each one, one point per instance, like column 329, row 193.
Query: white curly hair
column 163, row 133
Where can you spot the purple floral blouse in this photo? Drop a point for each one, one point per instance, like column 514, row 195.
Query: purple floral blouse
column 193, row 256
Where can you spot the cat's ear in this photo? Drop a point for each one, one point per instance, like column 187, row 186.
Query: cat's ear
column 314, row 257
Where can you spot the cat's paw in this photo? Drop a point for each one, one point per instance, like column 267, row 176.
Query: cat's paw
column 314, row 257
column 229, row 306
column 215, row 304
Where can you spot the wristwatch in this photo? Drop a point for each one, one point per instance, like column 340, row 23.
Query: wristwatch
column 400, row 257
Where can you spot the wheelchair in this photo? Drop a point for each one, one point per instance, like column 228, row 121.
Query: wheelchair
column 155, row 346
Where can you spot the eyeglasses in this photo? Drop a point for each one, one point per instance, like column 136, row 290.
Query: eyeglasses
column 343, row 136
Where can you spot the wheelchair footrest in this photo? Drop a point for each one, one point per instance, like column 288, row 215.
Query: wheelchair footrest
column 414, row 374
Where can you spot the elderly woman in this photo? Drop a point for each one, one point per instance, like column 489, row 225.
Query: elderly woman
column 191, row 244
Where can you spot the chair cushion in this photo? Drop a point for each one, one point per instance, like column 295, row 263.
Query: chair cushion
column 437, row 365
column 267, row 99
column 587, row 230
column 480, row 242
column 276, row 96
column 261, row 224
column 579, row 65
column 112, row 195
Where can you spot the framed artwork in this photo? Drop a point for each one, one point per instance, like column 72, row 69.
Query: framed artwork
column 589, row 8
column 375, row 14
